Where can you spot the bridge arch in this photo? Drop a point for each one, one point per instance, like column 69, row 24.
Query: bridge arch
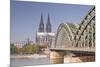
column 65, row 35
column 78, row 40
column 85, row 34
column 77, row 35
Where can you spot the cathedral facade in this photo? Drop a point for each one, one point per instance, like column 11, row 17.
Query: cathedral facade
column 44, row 35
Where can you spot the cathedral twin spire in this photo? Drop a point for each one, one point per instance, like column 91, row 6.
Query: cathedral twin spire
column 48, row 25
column 41, row 25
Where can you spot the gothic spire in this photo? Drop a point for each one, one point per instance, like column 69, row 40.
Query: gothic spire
column 41, row 25
column 48, row 21
column 41, row 21
column 48, row 25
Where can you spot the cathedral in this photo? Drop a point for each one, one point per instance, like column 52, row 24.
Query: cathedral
column 44, row 35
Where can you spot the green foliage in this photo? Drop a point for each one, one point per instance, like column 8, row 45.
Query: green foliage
column 13, row 49
column 26, row 49
column 29, row 49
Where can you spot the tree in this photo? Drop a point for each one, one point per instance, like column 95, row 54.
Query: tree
column 29, row 49
column 13, row 49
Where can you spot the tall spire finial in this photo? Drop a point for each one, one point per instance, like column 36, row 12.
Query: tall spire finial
column 48, row 25
column 41, row 21
column 41, row 25
column 48, row 19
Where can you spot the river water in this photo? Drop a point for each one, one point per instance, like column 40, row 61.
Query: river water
column 28, row 62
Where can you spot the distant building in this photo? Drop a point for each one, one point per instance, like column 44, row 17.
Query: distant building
column 44, row 36
column 20, row 44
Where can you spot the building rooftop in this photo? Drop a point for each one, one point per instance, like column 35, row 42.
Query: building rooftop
column 44, row 33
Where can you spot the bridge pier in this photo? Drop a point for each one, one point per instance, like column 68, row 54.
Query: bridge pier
column 63, row 56
column 56, row 57
column 87, row 58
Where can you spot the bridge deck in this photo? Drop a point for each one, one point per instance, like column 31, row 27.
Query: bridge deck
column 74, row 49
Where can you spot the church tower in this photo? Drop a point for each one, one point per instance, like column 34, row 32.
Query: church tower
column 48, row 25
column 41, row 25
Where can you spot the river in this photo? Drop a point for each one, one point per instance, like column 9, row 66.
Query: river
column 15, row 62
column 31, row 60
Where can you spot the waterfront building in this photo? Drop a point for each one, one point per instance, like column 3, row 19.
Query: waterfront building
column 20, row 44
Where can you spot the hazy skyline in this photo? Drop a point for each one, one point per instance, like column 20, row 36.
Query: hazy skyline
column 25, row 17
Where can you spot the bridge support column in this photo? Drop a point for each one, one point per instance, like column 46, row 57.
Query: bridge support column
column 87, row 58
column 56, row 57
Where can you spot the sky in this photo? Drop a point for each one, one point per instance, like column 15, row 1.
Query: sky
column 25, row 17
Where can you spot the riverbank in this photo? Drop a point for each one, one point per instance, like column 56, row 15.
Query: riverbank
column 35, row 56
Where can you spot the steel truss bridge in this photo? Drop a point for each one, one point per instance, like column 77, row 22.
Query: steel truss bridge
column 76, row 37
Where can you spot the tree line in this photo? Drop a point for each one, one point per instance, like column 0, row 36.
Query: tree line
column 26, row 49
